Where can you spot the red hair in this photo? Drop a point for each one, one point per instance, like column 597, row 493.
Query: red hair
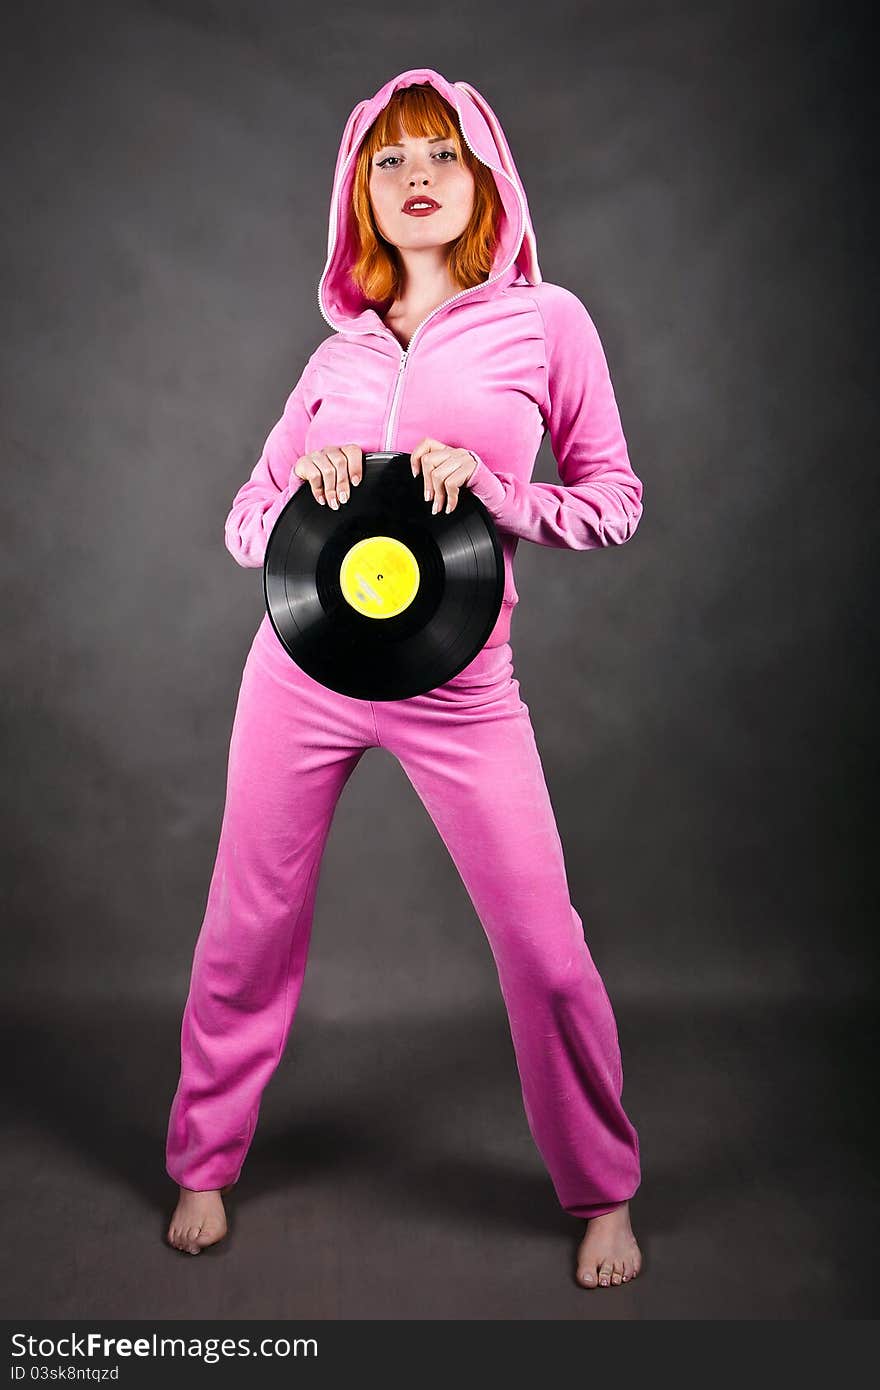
column 377, row 271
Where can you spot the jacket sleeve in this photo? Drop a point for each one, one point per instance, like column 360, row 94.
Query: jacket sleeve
column 259, row 503
column 600, row 501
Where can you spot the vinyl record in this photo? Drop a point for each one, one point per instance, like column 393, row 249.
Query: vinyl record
column 381, row 599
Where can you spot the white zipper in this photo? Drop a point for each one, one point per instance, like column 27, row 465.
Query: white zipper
column 404, row 358
column 392, row 418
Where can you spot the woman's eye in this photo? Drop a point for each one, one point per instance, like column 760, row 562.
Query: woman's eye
column 383, row 163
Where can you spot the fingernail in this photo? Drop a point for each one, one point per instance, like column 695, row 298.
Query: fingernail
column 355, row 481
column 449, row 506
column 435, row 508
column 321, row 500
column 343, row 496
column 334, row 504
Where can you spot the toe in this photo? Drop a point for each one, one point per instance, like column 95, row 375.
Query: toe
column 180, row 1241
column 617, row 1273
column 605, row 1272
column 587, row 1275
column 191, row 1244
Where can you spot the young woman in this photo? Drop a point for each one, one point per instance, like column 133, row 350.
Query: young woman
column 447, row 345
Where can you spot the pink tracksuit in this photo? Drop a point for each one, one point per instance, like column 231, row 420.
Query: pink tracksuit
column 489, row 370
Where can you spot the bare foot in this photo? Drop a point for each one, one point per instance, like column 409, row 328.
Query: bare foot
column 608, row 1253
column 199, row 1219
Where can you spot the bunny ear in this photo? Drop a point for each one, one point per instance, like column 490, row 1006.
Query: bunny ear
column 347, row 140
column 529, row 242
column 492, row 122
column 345, row 147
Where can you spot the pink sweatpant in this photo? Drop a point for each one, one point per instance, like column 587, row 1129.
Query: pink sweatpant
column 469, row 750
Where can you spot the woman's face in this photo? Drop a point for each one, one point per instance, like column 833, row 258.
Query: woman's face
column 421, row 167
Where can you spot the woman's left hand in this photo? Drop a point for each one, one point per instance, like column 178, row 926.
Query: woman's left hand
column 444, row 470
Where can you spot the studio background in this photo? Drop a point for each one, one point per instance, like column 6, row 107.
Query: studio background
column 700, row 696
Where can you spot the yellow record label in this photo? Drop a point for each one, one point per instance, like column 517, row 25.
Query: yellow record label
column 379, row 576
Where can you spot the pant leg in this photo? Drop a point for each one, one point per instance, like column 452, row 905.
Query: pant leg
column 469, row 751
column 293, row 746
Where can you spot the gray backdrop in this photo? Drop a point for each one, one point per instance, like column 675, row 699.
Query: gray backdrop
column 700, row 695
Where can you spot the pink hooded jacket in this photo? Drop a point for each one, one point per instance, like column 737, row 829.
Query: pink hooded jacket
column 490, row 370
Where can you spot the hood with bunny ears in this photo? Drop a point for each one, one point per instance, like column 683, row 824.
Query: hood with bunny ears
column 342, row 304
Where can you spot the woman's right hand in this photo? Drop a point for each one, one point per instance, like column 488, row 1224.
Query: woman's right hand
column 332, row 472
